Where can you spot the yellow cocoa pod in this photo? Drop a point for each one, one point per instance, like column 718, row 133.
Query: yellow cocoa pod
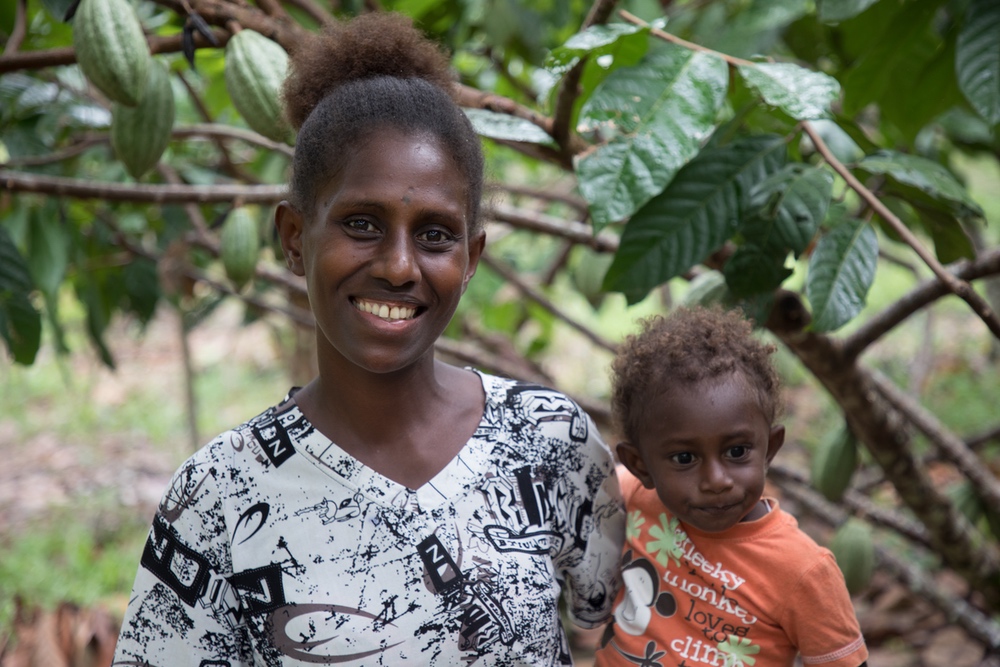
column 255, row 69
column 834, row 463
column 141, row 133
column 111, row 49
column 239, row 246
column 854, row 550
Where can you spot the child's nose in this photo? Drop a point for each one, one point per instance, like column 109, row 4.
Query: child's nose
column 715, row 477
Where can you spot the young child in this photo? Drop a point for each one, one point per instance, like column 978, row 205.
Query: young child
column 714, row 573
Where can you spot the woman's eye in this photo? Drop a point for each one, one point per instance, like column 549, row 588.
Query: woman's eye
column 359, row 225
column 436, row 236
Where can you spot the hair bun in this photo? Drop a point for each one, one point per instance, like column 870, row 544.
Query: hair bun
column 370, row 45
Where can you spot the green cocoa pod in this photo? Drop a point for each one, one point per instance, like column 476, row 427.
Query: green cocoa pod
column 141, row 133
column 834, row 462
column 854, row 550
column 239, row 246
column 111, row 49
column 255, row 69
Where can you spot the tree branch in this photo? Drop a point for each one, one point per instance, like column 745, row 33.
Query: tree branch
column 577, row 232
column 957, row 610
column 512, row 277
column 959, row 287
column 674, row 39
column 155, row 194
column 12, row 62
column 874, row 328
column 950, row 445
column 20, row 30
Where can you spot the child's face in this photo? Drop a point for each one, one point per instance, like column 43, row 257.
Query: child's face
column 705, row 449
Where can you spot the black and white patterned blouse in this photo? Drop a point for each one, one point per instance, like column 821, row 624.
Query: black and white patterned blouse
column 275, row 547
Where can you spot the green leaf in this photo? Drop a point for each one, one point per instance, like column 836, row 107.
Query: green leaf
column 142, row 287
column 695, row 214
column 705, row 289
column 926, row 176
column 788, row 207
column 841, row 271
column 977, row 60
column 834, row 11
column 660, row 111
column 754, row 269
column 505, row 127
column 48, row 248
column 902, row 42
column 20, row 323
column 801, row 93
column 58, row 8
column 951, row 242
column 596, row 41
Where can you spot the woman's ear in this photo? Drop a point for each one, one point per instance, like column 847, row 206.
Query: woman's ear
column 631, row 458
column 476, row 246
column 289, row 223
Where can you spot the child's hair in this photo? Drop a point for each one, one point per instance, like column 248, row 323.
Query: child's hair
column 684, row 348
column 370, row 73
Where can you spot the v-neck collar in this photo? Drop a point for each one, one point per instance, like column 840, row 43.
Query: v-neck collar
column 453, row 481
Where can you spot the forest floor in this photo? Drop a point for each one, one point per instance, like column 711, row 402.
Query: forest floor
column 99, row 446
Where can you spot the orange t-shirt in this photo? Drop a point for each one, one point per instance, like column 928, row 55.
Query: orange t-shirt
column 757, row 594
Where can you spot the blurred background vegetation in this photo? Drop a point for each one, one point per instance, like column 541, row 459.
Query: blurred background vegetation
column 830, row 166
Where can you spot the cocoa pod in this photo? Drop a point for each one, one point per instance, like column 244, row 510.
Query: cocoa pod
column 111, row 49
column 140, row 134
column 239, row 246
column 854, row 549
column 254, row 71
column 834, row 463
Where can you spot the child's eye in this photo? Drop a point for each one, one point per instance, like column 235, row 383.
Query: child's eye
column 739, row 452
column 682, row 458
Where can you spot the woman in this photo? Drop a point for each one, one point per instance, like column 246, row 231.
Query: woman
column 396, row 509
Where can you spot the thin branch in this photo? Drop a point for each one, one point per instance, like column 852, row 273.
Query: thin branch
column 980, row 439
column 631, row 18
column 959, row 287
column 923, row 294
column 950, row 445
column 576, row 232
column 314, row 11
column 249, row 136
column 569, row 89
column 20, row 30
column 862, row 505
column 12, row 62
column 574, row 202
column 229, row 166
column 513, row 278
column 81, row 146
column 156, row 194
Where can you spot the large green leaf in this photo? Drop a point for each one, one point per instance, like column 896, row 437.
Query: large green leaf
column 695, row 214
column 505, row 127
column 927, row 177
column 801, row 93
column 977, row 60
column 788, row 207
column 911, row 108
column 658, row 112
column 755, row 269
column 841, row 271
column 834, row 11
column 597, row 41
column 20, row 323
column 902, row 42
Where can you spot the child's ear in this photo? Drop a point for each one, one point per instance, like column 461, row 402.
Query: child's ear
column 775, row 440
column 630, row 457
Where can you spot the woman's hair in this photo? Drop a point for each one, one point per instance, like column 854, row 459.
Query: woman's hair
column 686, row 347
column 371, row 73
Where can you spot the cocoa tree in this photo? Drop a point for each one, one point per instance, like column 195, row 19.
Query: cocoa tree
column 774, row 153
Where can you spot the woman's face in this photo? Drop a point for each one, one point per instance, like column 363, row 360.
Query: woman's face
column 386, row 252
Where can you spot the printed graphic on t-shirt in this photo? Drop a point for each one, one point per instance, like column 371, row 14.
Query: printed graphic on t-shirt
column 273, row 546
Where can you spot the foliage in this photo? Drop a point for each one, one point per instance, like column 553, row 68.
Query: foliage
column 772, row 152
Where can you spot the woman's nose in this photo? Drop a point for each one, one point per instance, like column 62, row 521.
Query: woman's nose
column 397, row 261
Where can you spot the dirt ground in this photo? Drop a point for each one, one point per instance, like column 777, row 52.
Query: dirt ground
column 43, row 472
